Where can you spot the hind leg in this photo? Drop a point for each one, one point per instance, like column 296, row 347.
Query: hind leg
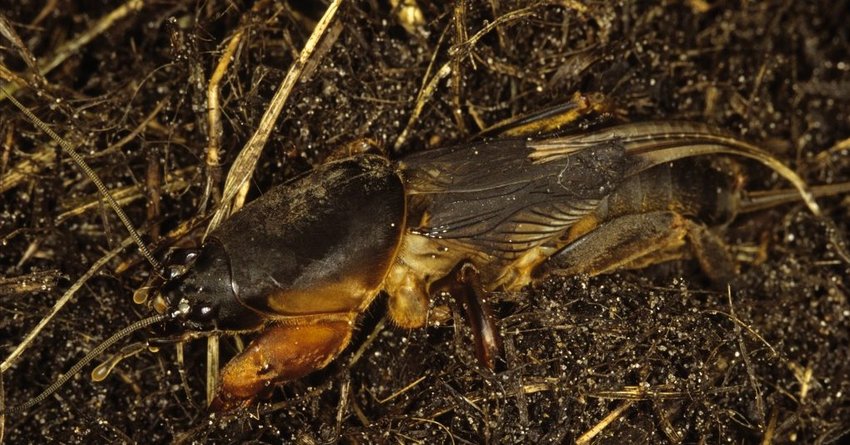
column 639, row 240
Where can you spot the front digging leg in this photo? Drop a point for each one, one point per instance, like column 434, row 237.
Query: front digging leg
column 280, row 353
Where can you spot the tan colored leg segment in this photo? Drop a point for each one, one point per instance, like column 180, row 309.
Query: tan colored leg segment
column 408, row 299
column 642, row 239
column 280, row 353
column 713, row 255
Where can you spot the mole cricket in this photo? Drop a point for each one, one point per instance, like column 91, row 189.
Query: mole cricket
column 298, row 265
column 471, row 219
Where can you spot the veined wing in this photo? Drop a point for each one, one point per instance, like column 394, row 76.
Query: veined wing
column 648, row 144
column 495, row 197
column 506, row 196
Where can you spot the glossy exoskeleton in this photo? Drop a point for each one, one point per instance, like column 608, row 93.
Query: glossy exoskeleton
column 300, row 263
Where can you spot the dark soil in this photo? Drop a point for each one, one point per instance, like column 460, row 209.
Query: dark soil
column 649, row 356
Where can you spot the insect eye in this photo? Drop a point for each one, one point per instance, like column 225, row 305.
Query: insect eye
column 182, row 257
column 178, row 261
column 190, row 256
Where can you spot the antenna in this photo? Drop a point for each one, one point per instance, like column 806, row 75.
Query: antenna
column 143, row 323
column 69, row 149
